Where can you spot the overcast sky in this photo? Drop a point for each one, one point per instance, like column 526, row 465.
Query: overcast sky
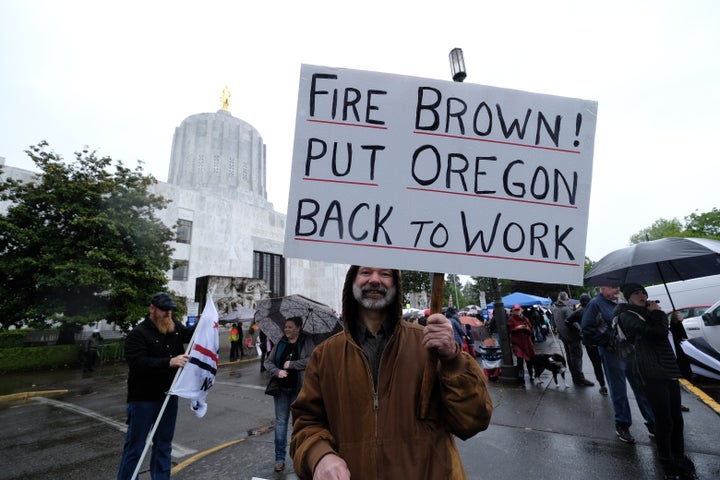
column 120, row 76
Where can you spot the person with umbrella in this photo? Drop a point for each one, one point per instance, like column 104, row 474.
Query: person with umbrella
column 385, row 398
column 287, row 361
column 645, row 326
column 596, row 330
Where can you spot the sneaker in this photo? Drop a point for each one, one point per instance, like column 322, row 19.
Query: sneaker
column 623, row 434
column 279, row 466
column 603, row 390
column 684, row 408
column 584, row 383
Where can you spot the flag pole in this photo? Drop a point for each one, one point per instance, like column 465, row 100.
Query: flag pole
column 151, row 434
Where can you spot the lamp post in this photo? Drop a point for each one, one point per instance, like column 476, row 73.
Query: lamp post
column 457, row 65
column 509, row 371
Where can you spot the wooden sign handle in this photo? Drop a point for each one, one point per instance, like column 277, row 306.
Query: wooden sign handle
column 436, row 293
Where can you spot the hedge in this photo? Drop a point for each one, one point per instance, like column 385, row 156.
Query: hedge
column 12, row 338
column 15, row 359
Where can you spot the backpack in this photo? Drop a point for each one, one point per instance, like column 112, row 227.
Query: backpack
column 623, row 347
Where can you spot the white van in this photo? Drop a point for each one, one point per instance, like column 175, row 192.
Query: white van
column 689, row 293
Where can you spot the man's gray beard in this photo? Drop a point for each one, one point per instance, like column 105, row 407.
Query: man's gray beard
column 374, row 304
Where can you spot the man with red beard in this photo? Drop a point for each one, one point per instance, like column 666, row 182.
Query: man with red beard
column 154, row 350
column 385, row 398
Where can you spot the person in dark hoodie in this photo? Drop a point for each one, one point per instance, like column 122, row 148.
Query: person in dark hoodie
column 645, row 326
column 385, row 398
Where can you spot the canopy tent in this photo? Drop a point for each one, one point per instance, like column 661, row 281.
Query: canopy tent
column 523, row 299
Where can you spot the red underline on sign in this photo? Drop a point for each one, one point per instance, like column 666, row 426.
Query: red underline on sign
column 432, row 190
column 311, row 179
column 345, row 124
column 501, row 142
column 442, row 252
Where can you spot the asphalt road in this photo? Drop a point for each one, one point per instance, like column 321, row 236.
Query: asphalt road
column 538, row 431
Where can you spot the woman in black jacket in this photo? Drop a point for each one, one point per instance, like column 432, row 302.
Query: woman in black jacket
column 645, row 326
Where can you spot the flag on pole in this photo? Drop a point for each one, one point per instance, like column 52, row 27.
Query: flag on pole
column 198, row 375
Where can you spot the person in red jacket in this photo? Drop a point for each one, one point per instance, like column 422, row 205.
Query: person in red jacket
column 521, row 330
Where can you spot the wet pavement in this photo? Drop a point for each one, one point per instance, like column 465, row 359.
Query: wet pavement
column 540, row 431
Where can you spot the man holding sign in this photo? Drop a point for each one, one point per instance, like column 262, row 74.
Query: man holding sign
column 368, row 408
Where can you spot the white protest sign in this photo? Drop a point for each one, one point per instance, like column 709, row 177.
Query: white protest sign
column 428, row 175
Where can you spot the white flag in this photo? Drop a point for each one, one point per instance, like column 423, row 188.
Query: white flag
column 198, row 375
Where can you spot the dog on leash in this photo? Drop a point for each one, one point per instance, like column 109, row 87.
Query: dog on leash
column 553, row 363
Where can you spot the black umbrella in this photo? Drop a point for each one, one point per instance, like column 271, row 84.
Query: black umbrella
column 665, row 260
column 319, row 320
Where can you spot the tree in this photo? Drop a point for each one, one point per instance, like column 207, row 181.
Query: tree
column 415, row 282
column 662, row 228
column 704, row 225
column 80, row 243
column 455, row 288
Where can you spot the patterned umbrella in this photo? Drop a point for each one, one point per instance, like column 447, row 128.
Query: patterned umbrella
column 319, row 320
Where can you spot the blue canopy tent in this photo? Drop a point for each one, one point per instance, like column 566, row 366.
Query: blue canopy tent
column 523, row 299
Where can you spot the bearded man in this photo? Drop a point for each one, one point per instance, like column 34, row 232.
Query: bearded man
column 154, row 350
column 384, row 398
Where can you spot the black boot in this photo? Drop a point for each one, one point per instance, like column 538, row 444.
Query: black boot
column 686, row 468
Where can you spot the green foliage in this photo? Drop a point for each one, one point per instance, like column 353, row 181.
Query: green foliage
column 699, row 225
column 484, row 284
column 34, row 358
column 662, row 228
column 12, row 338
column 454, row 287
column 415, row 282
column 703, row 225
column 80, row 243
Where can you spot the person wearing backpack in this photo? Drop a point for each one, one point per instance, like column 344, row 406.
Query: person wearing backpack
column 645, row 326
column 597, row 330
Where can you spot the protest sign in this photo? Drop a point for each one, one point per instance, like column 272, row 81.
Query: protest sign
column 437, row 176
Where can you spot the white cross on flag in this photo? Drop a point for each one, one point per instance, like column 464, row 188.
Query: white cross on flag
column 198, row 375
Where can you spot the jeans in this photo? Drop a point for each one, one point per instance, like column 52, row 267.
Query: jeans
column 617, row 371
column 140, row 419
column 282, row 416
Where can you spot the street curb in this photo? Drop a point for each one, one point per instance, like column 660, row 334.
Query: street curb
column 23, row 396
column 202, row 454
column 702, row 396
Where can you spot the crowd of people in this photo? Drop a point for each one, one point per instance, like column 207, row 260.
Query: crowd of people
column 442, row 393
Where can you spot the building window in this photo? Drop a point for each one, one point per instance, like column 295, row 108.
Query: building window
column 180, row 270
column 184, row 231
column 271, row 268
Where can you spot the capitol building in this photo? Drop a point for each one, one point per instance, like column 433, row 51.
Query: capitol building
column 230, row 238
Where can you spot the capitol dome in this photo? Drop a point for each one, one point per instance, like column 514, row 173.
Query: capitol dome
column 219, row 152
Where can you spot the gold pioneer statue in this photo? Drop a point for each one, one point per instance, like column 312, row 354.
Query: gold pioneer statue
column 225, row 98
